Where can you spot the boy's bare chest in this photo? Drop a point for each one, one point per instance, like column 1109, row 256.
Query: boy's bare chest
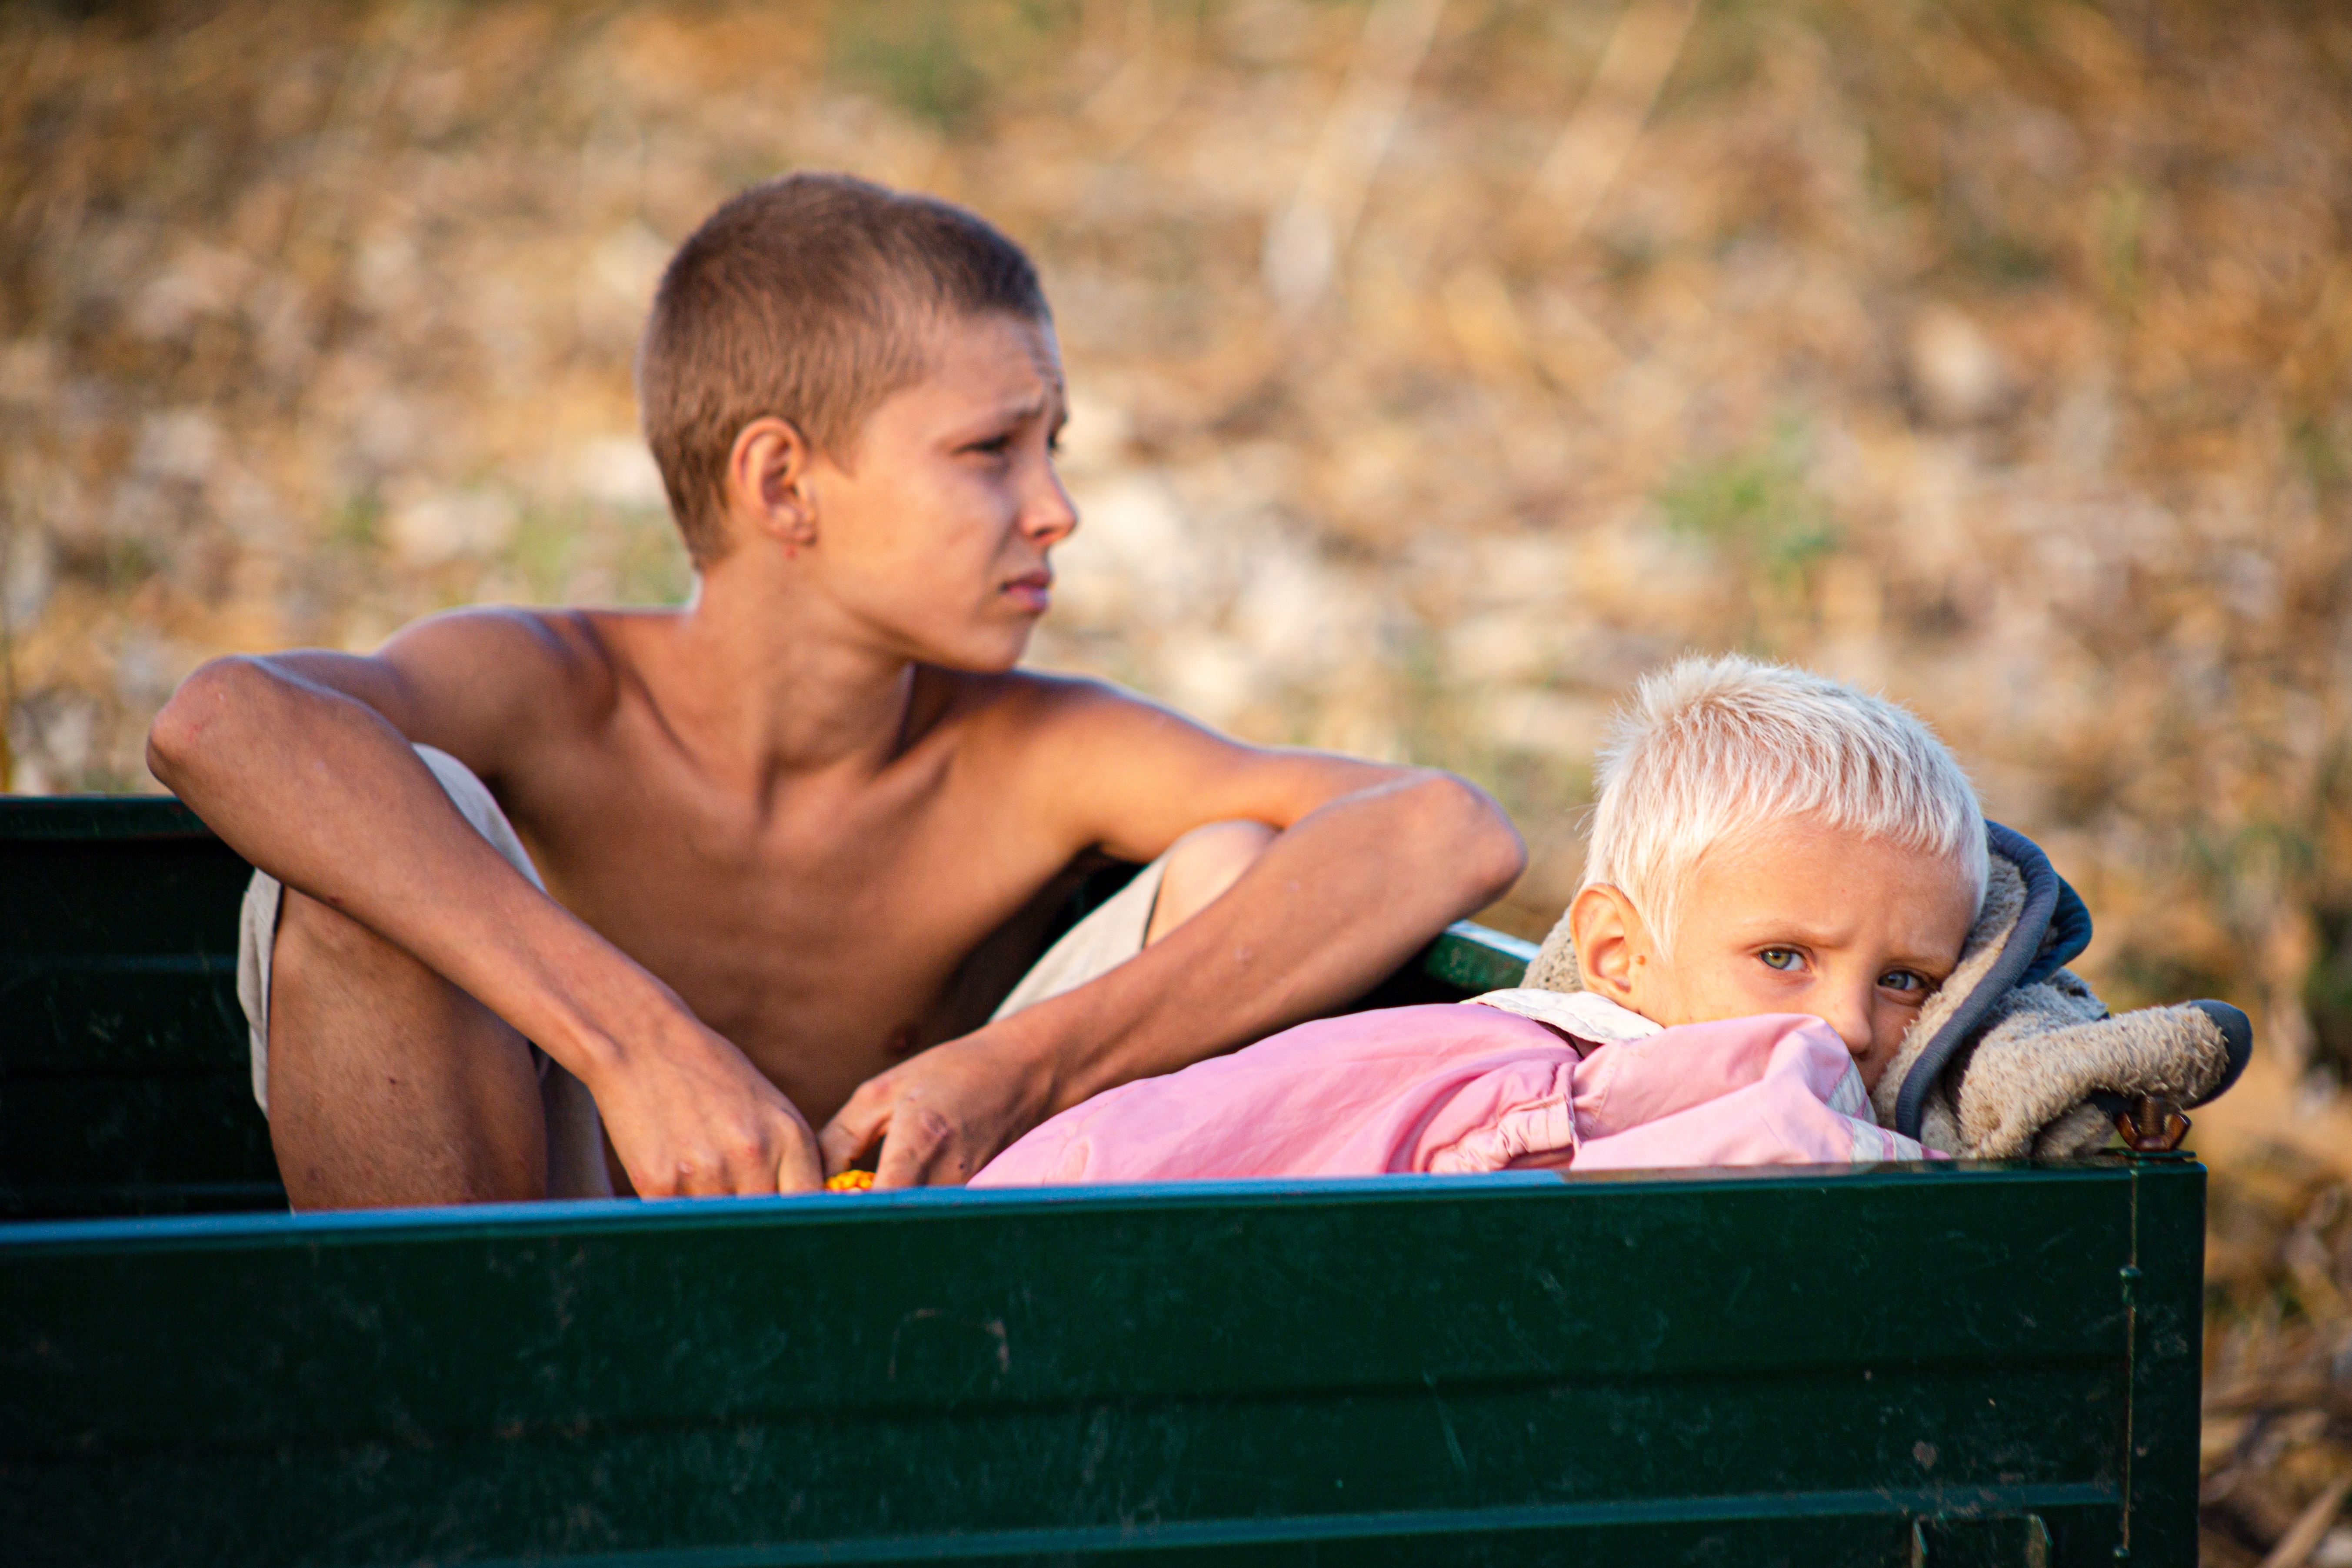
column 815, row 935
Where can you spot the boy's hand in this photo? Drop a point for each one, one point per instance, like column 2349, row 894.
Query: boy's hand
column 691, row 1117
column 941, row 1115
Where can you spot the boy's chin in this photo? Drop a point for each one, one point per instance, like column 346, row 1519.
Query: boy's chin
column 978, row 656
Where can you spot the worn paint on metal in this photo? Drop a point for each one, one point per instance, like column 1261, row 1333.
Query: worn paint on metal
column 1901, row 1366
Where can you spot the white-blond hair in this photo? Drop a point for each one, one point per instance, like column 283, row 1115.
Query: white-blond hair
column 1708, row 749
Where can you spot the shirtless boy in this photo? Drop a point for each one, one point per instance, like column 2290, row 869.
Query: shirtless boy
column 777, row 828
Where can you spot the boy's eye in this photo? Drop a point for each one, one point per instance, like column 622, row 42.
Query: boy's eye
column 1903, row 979
column 1782, row 958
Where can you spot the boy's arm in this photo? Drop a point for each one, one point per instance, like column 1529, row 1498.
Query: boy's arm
column 1371, row 862
column 303, row 762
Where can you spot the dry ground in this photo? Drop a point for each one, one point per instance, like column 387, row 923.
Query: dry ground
column 1438, row 366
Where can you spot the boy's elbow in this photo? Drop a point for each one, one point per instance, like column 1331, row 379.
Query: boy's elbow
column 176, row 740
column 1470, row 835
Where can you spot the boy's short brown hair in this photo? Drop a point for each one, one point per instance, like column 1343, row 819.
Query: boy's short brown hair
column 809, row 299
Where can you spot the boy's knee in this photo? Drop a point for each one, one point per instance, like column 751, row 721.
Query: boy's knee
column 319, row 952
column 1201, row 866
column 312, row 934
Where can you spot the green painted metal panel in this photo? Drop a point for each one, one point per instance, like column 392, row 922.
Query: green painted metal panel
column 123, row 1075
column 96, row 818
column 2165, row 1286
column 1473, row 959
column 124, row 1083
column 1898, row 1365
column 1808, row 1357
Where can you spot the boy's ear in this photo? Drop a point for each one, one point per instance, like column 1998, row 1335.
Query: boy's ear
column 1611, row 941
column 769, row 485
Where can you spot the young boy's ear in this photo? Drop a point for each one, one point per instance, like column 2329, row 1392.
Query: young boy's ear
column 1611, row 941
column 768, row 483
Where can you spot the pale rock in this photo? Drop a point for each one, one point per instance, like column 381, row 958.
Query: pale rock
column 1484, row 648
column 1209, row 675
column 1268, row 32
column 1956, row 371
column 616, row 284
column 385, row 275
column 2083, row 429
column 1360, row 729
column 1295, row 614
column 628, row 263
column 200, row 280
column 248, row 508
column 147, row 668
column 1136, row 557
column 618, row 471
column 2249, row 584
column 1547, row 723
column 28, row 372
column 1522, row 569
column 1095, row 437
column 365, row 631
column 388, row 430
column 28, row 573
column 182, row 443
column 67, row 728
column 285, row 325
column 439, row 528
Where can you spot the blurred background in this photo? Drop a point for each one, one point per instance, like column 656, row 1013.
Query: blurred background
column 1438, row 366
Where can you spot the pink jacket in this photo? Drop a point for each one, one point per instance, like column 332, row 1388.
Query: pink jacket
column 1462, row 1086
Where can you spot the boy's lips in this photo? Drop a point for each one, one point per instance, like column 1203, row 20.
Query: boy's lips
column 1033, row 591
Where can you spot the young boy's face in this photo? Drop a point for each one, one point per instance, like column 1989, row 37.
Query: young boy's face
column 935, row 536
column 1796, row 917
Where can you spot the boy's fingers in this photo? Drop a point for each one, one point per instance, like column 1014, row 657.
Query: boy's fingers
column 918, row 1136
column 901, row 1164
column 753, row 1172
column 801, row 1170
column 852, row 1131
column 656, row 1180
column 698, row 1181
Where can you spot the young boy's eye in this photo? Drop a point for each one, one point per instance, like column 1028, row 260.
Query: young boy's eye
column 1782, row 958
column 1911, row 985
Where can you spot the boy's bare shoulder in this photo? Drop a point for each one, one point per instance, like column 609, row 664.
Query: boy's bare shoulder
column 489, row 674
column 521, row 646
column 1118, row 771
column 1031, row 709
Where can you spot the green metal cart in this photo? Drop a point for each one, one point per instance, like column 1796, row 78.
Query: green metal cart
column 1956, row 1363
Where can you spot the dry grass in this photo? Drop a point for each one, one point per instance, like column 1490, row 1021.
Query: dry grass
column 1438, row 366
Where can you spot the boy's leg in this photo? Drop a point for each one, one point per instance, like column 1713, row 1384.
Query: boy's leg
column 388, row 1085
column 1196, row 869
column 1201, row 866
column 384, row 1083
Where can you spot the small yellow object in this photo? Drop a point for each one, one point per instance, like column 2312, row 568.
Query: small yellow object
column 849, row 1181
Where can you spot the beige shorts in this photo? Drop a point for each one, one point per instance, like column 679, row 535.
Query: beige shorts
column 1107, row 936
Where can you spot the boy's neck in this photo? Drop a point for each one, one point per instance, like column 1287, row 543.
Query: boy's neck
column 760, row 684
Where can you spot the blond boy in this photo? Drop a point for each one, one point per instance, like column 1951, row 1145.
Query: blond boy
column 1769, row 840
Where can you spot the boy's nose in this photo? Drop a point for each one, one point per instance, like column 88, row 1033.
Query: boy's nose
column 1051, row 516
column 1848, row 1011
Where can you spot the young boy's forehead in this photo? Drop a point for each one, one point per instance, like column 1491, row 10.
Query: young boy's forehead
column 1812, row 881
